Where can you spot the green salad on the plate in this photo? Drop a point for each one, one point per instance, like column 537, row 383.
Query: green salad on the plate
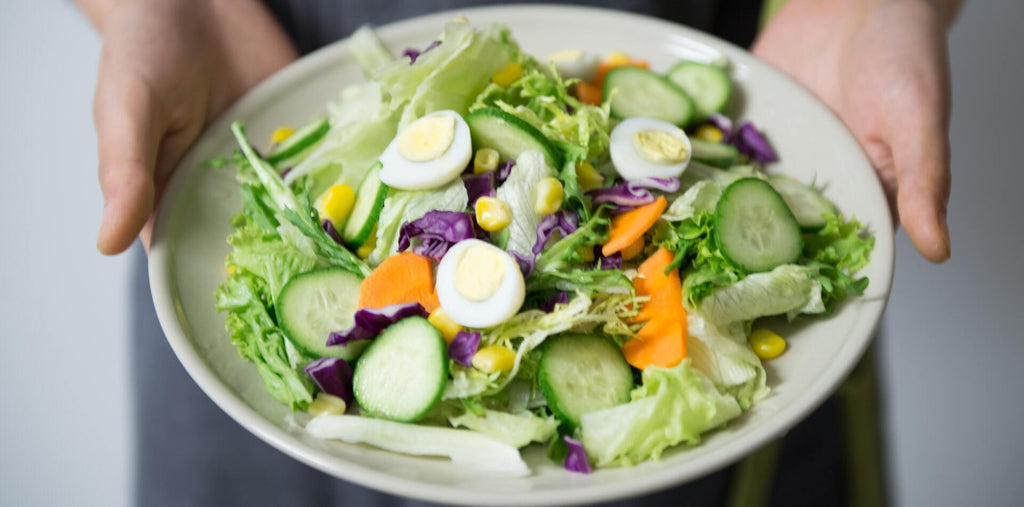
column 476, row 250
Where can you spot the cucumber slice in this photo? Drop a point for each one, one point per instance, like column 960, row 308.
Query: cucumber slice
column 312, row 305
column 491, row 127
column 807, row 204
column 708, row 86
column 754, row 228
column 714, row 154
column 640, row 92
column 402, row 374
column 366, row 210
column 579, row 374
column 303, row 138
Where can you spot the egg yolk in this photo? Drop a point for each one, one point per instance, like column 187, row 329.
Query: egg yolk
column 427, row 138
column 479, row 273
column 660, row 147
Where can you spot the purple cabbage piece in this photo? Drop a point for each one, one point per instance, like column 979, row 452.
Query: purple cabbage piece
column 437, row 231
column 563, row 221
column 333, row 376
column 463, row 347
column 479, row 185
column 559, row 299
column 751, row 143
column 576, row 460
column 413, row 54
column 371, row 322
column 723, row 123
column 284, row 173
column 504, row 170
column 525, row 262
column 630, row 194
column 613, row 261
column 331, row 231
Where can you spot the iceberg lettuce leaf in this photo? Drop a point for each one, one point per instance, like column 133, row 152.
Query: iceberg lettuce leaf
column 517, row 430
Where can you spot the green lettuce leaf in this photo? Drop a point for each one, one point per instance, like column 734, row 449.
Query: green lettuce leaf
column 789, row 289
column 672, row 406
column 517, row 430
column 726, row 358
column 403, row 206
column 518, row 192
column 836, row 253
column 702, row 197
column 368, row 50
column 266, row 255
column 561, row 267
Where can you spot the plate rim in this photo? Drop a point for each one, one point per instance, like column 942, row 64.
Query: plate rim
column 163, row 290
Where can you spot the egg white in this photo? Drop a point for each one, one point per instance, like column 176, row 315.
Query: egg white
column 402, row 173
column 499, row 307
column 629, row 163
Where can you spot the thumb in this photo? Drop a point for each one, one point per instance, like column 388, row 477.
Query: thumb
column 128, row 128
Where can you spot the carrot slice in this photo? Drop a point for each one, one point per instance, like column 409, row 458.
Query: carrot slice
column 589, row 93
column 402, row 278
column 631, row 225
column 662, row 340
column 658, row 343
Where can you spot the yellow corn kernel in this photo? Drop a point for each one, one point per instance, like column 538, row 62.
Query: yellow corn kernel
column 634, row 249
column 494, row 358
column 549, row 196
column 492, row 214
column 327, row 404
column 710, row 133
column 448, row 327
column 617, row 58
column 508, row 75
column 280, row 134
column 587, row 177
column 767, row 344
column 367, row 247
column 587, row 253
column 231, row 269
column 485, row 160
column 228, row 265
column 337, row 204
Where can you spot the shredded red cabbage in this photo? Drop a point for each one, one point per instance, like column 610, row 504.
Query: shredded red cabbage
column 333, row 376
column 437, row 231
column 463, row 347
column 723, row 123
column 752, row 143
column 613, row 261
column 284, row 173
column 413, row 54
column 576, row 460
column 630, row 194
column 504, row 170
column 559, row 299
column 371, row 322
column 525, row 262
column 331, row 231
column 562, row 221
column 479, row 185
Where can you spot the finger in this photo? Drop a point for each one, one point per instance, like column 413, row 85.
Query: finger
column 128, row 132
column 921, row 157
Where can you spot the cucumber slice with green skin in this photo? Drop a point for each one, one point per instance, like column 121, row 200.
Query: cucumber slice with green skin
column 369, row 202
column 402, row 374
column 754, row 227
column 640, row 92
column 314, row 304
column 807, row 204
column 708, row 86
column 303, row 138
column 579, row 374
column 714, row 154
column 493, row 128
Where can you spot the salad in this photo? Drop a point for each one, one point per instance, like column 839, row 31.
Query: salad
column 477, row 251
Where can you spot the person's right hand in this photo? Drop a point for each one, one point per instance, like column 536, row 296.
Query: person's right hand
column 166, row 69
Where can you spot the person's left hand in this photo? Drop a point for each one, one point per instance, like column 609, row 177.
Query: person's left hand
column 882, row 66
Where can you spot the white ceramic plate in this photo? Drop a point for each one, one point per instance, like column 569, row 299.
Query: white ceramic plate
column 186, row 260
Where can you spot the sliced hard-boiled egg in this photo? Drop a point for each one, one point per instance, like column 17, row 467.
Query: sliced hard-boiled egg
column 479, row 285
column 428, row 153
column 575, row 64
column 645, row 148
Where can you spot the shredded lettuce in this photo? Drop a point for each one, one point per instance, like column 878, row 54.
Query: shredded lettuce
column 561, row 267
column 402, row 206
column 672, row 406
column 517, row 430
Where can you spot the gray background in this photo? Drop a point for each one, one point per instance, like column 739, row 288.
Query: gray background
column 951, row 357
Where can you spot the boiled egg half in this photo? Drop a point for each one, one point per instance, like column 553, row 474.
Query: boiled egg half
column 648, row 148
column 479, row 285
column 427, row 153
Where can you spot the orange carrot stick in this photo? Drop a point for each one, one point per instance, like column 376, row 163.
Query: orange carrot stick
column 631, row 225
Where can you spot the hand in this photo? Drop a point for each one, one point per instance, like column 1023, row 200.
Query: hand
column 882, row 66
column 166, row 69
